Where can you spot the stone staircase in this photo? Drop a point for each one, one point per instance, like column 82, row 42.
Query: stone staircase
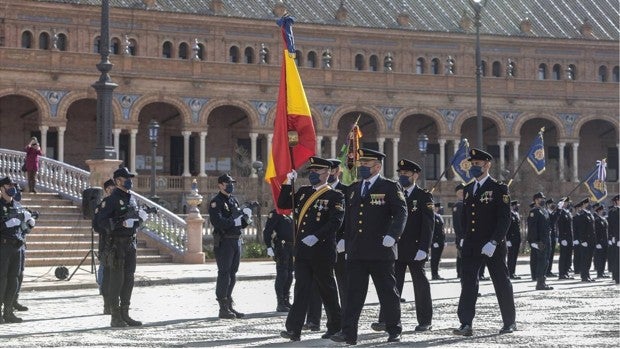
column 63, row 237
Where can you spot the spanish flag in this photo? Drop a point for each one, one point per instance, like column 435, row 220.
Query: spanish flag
column 292, row 115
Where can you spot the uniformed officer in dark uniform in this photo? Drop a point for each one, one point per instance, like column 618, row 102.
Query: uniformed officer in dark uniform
column 414, row 244
column 16, row 305
column 278, row 236
column 614, row 231
column 438, row 242
column 583, row 222
column 553, row 220
column 376, row 217
column 120, row 214
column 513, row 239
column 319, row 211
column 486, row 215
column 601, row 232
column 227, row 219
column 103, row 273
column 15, row 222
column 577, row 259
column 539, row 237
column 457, row 225
column 565, row 235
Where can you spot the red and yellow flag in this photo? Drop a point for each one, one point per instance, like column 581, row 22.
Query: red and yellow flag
column 292, row 114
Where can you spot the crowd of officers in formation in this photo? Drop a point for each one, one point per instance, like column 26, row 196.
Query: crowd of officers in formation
column 340, row 236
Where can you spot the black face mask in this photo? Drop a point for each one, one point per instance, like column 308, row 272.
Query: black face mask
column 230, row 188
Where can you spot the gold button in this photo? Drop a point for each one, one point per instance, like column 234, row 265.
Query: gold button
column 473, row 213
column 302, row 230
column 362, row 205
column 360, row 222
column 472, row 222
column 304, row 223
column 472, row 229
column 360, row 230
column 361, row 214
column 473, row 205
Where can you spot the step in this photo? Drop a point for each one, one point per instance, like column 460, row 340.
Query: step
column 53, row 209
column 58, row 245
column 59, row 237
column 67, row 223
column 73, row 252
column 73, row 261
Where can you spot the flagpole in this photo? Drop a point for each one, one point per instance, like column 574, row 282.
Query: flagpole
column 291, row 143
column 517, row 170
column 443, row 174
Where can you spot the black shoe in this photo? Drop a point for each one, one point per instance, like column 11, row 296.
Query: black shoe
column 565, row 277
column 464, row 330
column 508, row 329
column 378, row 326
column 437, row 277
column 341, row 337
column 11, row 318
column 19, row 307
column 402, row 300
column 282, row 308
column 294, row 337
column 587, row 280
column 394, row 338
column 515, row 277
column 483, row 278
column 602, row 276
column 312, row 327
column 423, row 328
column 544, row 287
column 550, row 274
column 328, row 334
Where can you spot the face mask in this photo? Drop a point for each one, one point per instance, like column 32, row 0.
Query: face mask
column 331, row 179
column 405, row 181
column 476, row 171
column 364, row 172
column 314, row 178
column 18, row 195
column 230, row 188
column 11, row 192
column 128, row 184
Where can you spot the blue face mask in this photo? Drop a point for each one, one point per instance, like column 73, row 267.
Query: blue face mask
column 331, row 179
column 364, row 172
column 476, row 171
column 18, row 195
column 314, row 178
column 11, row 192
column 230, row 188
column 405, row 181
column 128, row 184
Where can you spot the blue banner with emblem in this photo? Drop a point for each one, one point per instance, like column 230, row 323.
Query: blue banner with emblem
column 536, row 154
column 460, row 165
column 595, row 181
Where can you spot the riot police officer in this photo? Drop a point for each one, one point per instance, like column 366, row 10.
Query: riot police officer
column 513, row 239
column 278, row 236
column 539, row 237
column 565, row 235
column 438, row 242
column 15, row 222
column 121, row 217
column 227, row 219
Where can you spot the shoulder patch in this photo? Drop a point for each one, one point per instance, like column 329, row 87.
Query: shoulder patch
column 103, row 204
column 454, row 209
column 339, row 207
column 213, row 204
column 531, row 214
column 506, row 199
column 430, row 205
column 121, row 202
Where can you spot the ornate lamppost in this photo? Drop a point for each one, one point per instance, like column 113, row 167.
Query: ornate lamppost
column 422, row 146
column 478, row 5
column 258, row 166
column 153, row 134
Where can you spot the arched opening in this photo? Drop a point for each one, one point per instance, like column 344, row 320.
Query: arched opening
column 19, row 120
column 233, row 54
column 542, row 71
column 557, row 72
column 483, row 68
column 373, row 63
column 133, row 47
column 312, row 59
column 183, row 50
column 413, row 126
column 435, row 68
column 298, row 58
column 169, row 157
column 249, row 55
column 497, row 69
column 166, row 51
column 602, row 73
column 598, row 139
column 229, row 144
column 81, row 133
column 490, row 136
column 359, row 61
column 201, row 52
column 26, row 39
column 420, row 66
column 616, row 74
column 97, row 45
column 61, row 43
column 44, row 41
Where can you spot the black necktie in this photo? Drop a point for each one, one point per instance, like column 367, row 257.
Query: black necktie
column 476, row 187
column 365, row 189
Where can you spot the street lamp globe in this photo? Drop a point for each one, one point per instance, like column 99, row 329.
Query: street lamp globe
column 153, row 131
column 422, row 143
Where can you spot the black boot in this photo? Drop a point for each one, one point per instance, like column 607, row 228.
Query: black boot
column 225, row 312
column 282, row 307
column 126, row 318
column 117, row 319
column 287, row 301
column 238, row 315
column 9, row 317
column 18, row 306
column 542, row 285
column 106, row 307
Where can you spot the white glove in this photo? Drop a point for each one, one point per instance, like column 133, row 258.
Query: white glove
column 310, row 240
column 420, row 255
column 270, row 252
column 13, row 222
column 618, row 243
column 388, row 241
column 247, row 211
column 488, row 249
column 508, row 243
column 291, row 176
column 575, row 242
column 534, row 245
column 556, row 240
column 599, row 247
column 584, row 244
column 129, row 222
column 27, row 215
column 340, row 246
column 435, row 245
column 613, row 240
column 609, row 242
column 31, row 222
column 564, row 243
column 461, row 243
column 238, row 221
column 560, row 205
column 143, row 215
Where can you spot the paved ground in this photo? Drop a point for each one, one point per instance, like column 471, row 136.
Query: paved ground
column 177, row 304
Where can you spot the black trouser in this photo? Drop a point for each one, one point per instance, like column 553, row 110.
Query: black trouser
column 122, row 266
column 284, row 271
column 586, row 261
column 421, row 290
column 383, row 276
column 565, row 258
column 11, row 252
column 542, row 258
column 551, row 255
column 613, row 261
column 482, row 266
column 472, row 261
column 306, row 273
column 435, row 259
column 227, row 256
column 459, row 262
column 22, row 266
column 533, row 262
column 341, row 279
column 315, row 305
column 600, row 259
column 577, row 258
column 513, row 254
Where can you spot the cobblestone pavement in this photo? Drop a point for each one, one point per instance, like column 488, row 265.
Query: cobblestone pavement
column 575, row 314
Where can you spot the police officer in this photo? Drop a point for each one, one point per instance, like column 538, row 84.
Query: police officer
column 583, row 223
column 227, row 219
column 457, row 225
column 513, row 239
column 122, row 217
column 340, row 269
column 577, row 259
column 16, row 305
column 103, row 273
column 439, row 240
column 278, row 236
column 539, row 237
column 601, row 232
column 487, row 216
column 553, row 220
column 414, row 244
column 614, row 242
column 565, row 235
column 376, row 217
column 15, row 222
column 319, row 211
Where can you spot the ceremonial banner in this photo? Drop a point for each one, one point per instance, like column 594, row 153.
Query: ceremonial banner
column 460, row 165
column 595, row 181
column 536, row 154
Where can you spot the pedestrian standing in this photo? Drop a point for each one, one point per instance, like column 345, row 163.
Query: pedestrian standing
column 601, row 232
column 614, row 238
column 486, row 215
column 319, row 211
column 565, row 235
column 278, row 236
column 513, row 239
column 376, row 217
column 33, row 152
column 539, row 237
column 228, row 220
column 438, row 242
column 457, row 225
column 120, row 214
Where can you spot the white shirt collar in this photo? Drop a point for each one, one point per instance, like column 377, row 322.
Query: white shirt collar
column 481, row 182
column 372, row 179
column 320, row 186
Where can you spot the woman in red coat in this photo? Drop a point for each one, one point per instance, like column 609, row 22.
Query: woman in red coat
column 33, row 151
